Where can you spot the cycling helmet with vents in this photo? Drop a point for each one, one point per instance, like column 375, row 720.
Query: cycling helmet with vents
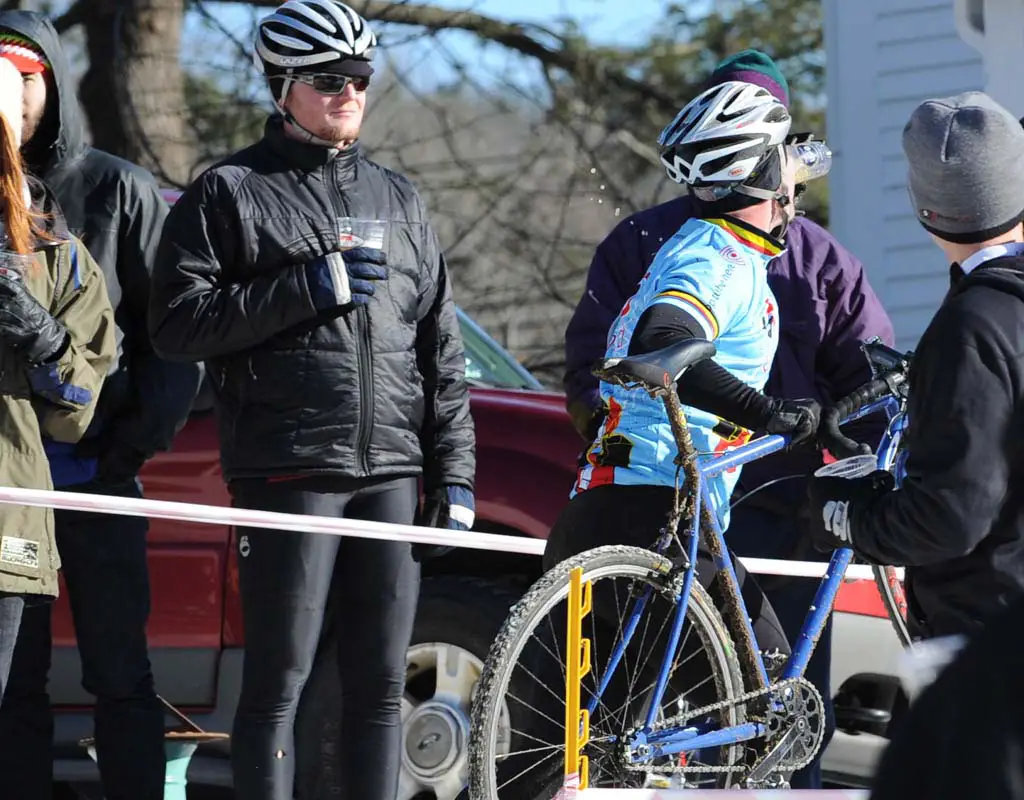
column 305, row 35
column 725, row 140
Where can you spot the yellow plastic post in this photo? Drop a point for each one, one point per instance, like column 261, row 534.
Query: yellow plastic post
column 577, row 650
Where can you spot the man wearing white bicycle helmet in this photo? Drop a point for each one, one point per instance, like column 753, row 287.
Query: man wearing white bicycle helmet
column 339, row 379
column 708, row 281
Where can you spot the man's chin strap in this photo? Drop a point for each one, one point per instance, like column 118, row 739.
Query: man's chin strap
column 308, row 136
column 777, row 196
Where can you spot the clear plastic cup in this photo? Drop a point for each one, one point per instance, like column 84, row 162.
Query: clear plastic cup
column 15, row 265
column 357, row 232
column 852, row 467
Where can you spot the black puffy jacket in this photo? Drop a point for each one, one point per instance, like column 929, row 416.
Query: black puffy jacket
column 376, row 391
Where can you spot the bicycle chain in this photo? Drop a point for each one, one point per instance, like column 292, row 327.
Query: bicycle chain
column 704, row 710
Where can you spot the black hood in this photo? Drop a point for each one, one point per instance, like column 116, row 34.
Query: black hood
column 1004, row 274
column 62, row 124
column 44, row 201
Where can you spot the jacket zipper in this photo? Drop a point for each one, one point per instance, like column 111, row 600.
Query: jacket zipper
column 364, row 427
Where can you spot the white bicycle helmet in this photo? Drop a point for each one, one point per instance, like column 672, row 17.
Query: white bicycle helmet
column 304, row 34
column 720, row 141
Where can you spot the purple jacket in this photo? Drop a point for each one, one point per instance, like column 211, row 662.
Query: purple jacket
column 826, row 309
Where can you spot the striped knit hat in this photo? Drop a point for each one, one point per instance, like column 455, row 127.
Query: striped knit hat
column 22, row 52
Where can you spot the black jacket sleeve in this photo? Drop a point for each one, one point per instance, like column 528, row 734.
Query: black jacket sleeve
column 161, row 392
column 196, row 312
column 960, row 413
column 708, row 385
column 448, row 439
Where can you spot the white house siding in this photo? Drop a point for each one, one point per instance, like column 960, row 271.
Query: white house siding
column 884, row 58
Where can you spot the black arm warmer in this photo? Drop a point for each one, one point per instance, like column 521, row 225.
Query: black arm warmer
column 708, row 385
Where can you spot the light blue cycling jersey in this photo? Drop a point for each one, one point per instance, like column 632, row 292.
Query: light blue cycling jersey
column 716, row 271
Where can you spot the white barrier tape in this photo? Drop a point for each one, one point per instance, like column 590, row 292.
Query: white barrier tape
column 245, row 518
column 241, row 517
column 657, row 794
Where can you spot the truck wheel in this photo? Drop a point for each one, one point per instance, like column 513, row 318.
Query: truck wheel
column 457, row 620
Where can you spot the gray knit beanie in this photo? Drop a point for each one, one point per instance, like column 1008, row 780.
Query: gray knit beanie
column 966, row 177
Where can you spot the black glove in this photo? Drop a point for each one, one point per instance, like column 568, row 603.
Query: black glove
column 836, row 503
column 28, row 328
column 831, row 438
column 116, row 463
column 348, row 278
column 452, row 507
column 586, row 419
column 797, row 418
column 119, row 465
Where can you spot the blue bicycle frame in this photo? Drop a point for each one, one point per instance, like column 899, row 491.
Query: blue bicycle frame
column 696, row 737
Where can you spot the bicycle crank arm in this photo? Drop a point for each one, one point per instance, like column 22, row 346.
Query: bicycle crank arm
column 642, row 748
column 771, row 760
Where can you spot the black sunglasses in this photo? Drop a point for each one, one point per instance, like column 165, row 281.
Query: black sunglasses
column 326, row 83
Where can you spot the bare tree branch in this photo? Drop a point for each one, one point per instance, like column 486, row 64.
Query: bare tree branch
column 578, row 63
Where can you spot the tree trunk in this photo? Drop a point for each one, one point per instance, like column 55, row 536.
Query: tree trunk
column 134, row 90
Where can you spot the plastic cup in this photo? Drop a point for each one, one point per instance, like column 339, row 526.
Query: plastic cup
column 356, row 232
column 15, row 265
column 852, row 467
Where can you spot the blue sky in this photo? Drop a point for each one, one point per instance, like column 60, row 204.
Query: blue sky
column 605, row 21
column 621, row 21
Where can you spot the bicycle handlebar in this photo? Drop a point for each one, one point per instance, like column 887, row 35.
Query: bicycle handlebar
column 888, row 383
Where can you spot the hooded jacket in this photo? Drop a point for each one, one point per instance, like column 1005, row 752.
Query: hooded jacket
column 54, row 400
column 957, row 520
column 826, row 310
column 373, row 391
column 116, row 209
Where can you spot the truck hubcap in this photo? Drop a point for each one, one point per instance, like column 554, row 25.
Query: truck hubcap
column 435, row 737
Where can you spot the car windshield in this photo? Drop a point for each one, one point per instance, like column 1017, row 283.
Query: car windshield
column 489, row 364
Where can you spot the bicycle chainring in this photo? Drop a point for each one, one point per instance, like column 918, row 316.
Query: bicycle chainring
column 795, row 731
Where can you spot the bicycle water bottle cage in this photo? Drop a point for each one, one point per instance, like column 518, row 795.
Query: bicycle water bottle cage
column 656, row 372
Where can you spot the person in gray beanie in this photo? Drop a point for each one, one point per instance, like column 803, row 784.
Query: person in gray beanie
column 957, row 520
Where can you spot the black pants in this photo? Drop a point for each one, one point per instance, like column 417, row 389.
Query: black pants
column 11, row 608
column 633, row 515
column 286, row 579
column 107, row 581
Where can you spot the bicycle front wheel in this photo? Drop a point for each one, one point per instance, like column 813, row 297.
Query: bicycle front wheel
column 518, row 719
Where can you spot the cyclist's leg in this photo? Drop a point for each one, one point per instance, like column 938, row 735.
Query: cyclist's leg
column 376, row 592
column 760, row 533
column 284, row 580
column 633, row 515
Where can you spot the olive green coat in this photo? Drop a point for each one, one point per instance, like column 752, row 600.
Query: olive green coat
column 68, row 283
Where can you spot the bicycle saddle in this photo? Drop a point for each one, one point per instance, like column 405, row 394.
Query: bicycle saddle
column 656, row 370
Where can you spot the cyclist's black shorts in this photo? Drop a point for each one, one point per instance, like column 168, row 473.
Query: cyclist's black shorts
column 286, row 580
column 633, row 515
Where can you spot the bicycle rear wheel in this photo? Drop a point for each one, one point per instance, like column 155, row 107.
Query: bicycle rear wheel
column 890, row 587
column 521, row 755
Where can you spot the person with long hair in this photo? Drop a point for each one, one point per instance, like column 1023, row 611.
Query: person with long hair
column 56, row 347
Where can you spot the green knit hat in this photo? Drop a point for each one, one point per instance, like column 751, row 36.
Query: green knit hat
column 752, row 66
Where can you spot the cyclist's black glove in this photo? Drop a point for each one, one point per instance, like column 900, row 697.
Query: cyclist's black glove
column 796, row 418
column 837, row 503
column 831, row 438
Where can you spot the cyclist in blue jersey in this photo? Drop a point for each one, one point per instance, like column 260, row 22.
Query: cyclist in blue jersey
column 727, row 147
